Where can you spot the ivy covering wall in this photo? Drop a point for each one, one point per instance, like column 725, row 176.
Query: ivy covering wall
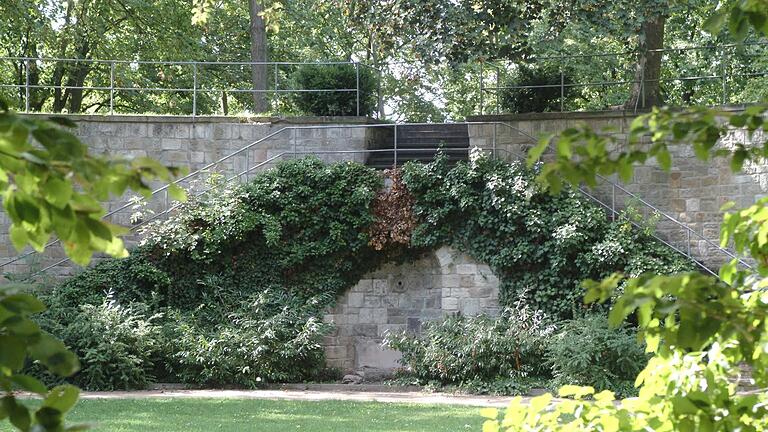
column 231, row 289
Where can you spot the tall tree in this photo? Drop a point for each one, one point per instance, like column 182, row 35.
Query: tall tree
column 638, row 24
column 646, row 88
column 258, row 32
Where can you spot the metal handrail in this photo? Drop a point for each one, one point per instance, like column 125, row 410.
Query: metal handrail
column 294, row 151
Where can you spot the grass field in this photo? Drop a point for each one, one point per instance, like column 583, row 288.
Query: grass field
column 187, row 415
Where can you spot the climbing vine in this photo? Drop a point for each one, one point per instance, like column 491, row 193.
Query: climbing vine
column 237, row 280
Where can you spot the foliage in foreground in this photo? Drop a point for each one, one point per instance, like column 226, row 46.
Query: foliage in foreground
column 51, row 186
column 238, row 279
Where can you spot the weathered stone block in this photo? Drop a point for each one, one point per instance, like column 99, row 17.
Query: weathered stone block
column 355, row 299
column 466, row 269
column 380, row 286
column 336, row 352
column 370, row 330
column 450, row 281
column 450, row 303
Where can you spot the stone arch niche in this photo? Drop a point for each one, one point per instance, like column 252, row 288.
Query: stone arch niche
column 398, row 298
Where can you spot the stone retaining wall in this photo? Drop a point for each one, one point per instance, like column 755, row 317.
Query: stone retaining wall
column 401, row 298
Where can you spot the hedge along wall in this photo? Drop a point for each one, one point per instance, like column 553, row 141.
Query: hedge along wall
column 232, row 289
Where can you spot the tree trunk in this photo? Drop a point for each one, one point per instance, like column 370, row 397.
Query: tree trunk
column 59, row 97
column 258, row 54
column 646, row 90
column 77, row 79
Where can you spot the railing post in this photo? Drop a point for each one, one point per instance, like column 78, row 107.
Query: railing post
column 394, row 144
column 498, row 91
column 194, row 89
column 562, row 89
column 247, row 168
column 688, row 230
column 380, row 102
column 274, row 98
column 613, row 202
column 724, row 71
column 357, row 86
column 482, row 87
column 293, row 138
column 494, row 140
column 642, row 86
column 26, row 86
column 111, row 87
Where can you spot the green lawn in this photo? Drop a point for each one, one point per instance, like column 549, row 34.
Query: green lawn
column 187, row 415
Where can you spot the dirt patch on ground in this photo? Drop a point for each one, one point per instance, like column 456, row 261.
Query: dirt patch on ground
column 312, row 395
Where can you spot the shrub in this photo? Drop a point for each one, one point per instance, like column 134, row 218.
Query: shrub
column 460, row 349
column 272, row 337
column 335, row 77
column 536, row 99
column 242, row 273
column 587, row 351
column 117, row 344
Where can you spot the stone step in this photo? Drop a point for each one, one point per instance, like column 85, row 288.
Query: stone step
column 437, row 129
column 382, row 161
column 432, row 142
column 453, row 139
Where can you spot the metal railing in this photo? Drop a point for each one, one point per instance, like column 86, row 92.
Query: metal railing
column 165, row 206
column 726, row 66
column 187, row 78
column 702, row 75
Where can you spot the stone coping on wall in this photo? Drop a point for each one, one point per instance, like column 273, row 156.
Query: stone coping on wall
column 577, row 115
column 136, row 118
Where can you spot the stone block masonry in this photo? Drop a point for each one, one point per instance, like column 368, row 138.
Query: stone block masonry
column 401, row 298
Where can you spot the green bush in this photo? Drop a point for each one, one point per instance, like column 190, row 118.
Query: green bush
column 587, row 351
column 117, row 344
column 460, row 349
column 272, row 337
column 335, row 77
column 536, row 243
column 544, row 94
column 238, row 278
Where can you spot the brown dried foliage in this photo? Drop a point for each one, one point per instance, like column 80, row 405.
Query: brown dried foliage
column 393, row 213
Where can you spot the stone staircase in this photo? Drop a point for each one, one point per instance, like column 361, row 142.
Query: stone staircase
column 420, row 143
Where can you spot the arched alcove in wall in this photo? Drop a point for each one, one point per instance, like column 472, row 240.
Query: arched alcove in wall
column 398, row 298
